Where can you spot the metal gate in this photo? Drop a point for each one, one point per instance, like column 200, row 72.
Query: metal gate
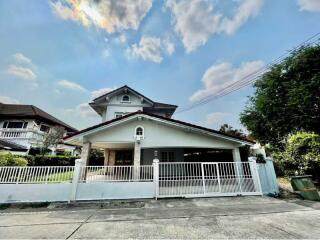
column 190, row 179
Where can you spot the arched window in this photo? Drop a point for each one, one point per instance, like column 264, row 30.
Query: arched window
column 139, row 131
column 125, row 98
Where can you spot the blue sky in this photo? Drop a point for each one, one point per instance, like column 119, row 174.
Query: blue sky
column 59, row 54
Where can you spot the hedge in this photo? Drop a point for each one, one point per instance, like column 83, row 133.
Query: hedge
column 8, row 159
column 48, row 160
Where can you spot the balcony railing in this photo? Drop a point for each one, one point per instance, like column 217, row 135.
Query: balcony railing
column 21, row 133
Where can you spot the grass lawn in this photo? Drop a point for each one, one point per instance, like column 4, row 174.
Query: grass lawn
column 60, row 177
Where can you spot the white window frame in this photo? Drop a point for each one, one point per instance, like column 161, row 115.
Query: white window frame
column 135, row 132
column 45, row 126
column 125, row 101
column 24, row 123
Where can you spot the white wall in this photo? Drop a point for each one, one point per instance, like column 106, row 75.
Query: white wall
column 159, row 135
column 115, row 105
column 115, row 190
column 35, row 192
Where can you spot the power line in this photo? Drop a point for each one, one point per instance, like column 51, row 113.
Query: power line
column 248, row 79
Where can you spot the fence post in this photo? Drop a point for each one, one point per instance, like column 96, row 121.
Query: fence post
column 156, row 177
column 255, row 174
column 75, row 179
column 203, row 179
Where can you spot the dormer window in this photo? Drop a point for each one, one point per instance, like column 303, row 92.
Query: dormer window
column 125, row 98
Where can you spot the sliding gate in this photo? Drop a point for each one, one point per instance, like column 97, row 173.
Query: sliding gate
column 188, row 179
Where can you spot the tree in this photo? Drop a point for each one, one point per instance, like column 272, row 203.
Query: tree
column 286, row 99
column 301, row 154
column 226, row 128
column 53, row 138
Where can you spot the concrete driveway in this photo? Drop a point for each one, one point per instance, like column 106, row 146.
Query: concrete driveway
column 240, row 217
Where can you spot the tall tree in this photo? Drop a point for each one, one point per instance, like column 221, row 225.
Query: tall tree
column 226, row 128
column 287, row 98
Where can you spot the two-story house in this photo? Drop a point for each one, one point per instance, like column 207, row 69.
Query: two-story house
column 23, row 127
column 134, row 127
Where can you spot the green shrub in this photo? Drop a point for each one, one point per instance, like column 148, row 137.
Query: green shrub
column 301, row 155
column 8, row 159
column 48, row 160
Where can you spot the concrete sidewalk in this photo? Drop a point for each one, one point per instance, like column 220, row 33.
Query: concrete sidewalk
column 240, row 217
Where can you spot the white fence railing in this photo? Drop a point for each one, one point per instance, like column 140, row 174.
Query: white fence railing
column 48, row 174
column 21, row 133
column 183, row 179
column 219, row 178
column 116, row 173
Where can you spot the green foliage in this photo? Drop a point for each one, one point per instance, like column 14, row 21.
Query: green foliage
column 48, row 160
column 96, row 157
column 8, row 159
column 286, row 99
column 302, row 155
column 52, row 138
column 228, row 129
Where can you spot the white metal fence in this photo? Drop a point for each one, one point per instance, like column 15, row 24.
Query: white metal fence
column 208, row 179
column 47, row 174
column 185, row 179
column 116, row 173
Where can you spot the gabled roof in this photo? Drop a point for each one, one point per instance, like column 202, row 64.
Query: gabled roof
column 168, row 108
column 160, row 118
column 20, row 111
column 119, row 90
column 11, row 146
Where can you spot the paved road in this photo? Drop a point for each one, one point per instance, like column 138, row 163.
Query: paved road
column 241, row 217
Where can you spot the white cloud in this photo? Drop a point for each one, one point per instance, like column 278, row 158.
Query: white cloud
column 222, row 75
column 19, row 57
column 21, row 72
column 216, row 118
column 196, row 20
column 8, row 100
column 70, row 85
column 246, row 9
column 84, row 110
column 122, row 39
column 110, row 15
column 101, row 91
column 152, row 49
column 309, row 5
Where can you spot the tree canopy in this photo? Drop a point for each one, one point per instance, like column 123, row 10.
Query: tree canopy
column 286, row 99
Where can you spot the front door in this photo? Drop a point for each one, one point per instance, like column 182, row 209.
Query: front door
column 124, row 158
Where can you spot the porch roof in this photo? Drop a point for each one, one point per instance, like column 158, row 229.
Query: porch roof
column 170, row 120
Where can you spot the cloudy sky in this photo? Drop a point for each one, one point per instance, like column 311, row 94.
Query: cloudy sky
column 59, row 54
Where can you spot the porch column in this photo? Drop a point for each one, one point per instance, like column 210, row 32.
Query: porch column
column 106, row 157
column 236, row 155
column 86, row 148
column 136, row 161
column 112, row 158
column 137, row 154
column 238, row 166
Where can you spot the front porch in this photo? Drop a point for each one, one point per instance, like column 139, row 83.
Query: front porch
column 132, row 154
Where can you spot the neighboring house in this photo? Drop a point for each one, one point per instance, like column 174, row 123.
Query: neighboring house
column 23, row 127
column 134, row 127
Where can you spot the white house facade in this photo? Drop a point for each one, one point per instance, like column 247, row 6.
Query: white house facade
column 134, row 129
column 23, row 127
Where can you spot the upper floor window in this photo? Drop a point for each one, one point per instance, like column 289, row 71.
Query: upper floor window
column 15, row 124
column 44, row 128
column 125, row 98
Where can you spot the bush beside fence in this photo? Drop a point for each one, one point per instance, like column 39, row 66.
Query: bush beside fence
column 48, row 160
